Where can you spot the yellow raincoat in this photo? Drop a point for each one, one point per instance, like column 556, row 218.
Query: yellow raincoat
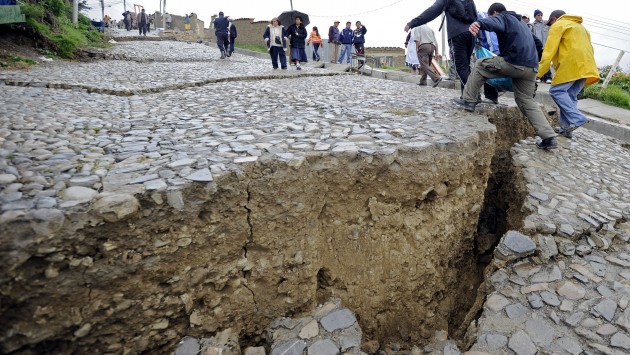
column 569, row 48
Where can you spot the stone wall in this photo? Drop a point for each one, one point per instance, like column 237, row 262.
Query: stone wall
column 250, row 31
column 196, row 25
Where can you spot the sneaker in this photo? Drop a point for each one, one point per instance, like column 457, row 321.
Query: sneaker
column 572, row 128
column 298, row 67
column 548, row 81
column 435, row 84
column 284, row 68
column 564, row 133
column 468, row 106
column 422, row 84
column 548, row 143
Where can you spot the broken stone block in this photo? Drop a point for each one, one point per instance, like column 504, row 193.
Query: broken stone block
column 188, row 346
column 338, row 320
column 514, row 245
column 116, row 207
column 293, row 347
column 323, row 347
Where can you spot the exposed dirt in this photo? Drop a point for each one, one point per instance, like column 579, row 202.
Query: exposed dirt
column 16, row 45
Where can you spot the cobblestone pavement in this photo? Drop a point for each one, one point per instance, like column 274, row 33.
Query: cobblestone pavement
column 564, row 290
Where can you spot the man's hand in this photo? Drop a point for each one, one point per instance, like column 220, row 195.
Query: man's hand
column 406, row 28
column 474, row 28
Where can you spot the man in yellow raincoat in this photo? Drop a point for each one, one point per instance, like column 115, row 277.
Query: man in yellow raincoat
column 569, row 48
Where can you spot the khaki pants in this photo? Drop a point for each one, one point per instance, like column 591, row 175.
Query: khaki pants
column 333, row 48
column 425, row 55
column 523, row 82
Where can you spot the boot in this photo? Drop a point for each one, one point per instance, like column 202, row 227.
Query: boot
column 222, row 55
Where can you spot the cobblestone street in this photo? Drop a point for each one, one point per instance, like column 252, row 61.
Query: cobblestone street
column 155, row 118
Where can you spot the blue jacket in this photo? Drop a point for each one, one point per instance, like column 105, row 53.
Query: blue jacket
column 233, row 33
column 359, row 35
column 268, row 39
column 516, row 41
column 346, row 36
column 488, row 39
column 221, row 25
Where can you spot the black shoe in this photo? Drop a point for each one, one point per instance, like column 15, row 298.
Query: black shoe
column 222, row 55
column 468, row 106
column 422, row 84
column 548, row 143
column 298, row 68
column 435, row 84
column 564, row 133
column 229, row 54
column 284, row 68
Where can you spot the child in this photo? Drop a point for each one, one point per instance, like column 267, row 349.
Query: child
column 317, row 41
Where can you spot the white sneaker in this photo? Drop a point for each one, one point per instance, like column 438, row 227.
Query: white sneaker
column 548, row 81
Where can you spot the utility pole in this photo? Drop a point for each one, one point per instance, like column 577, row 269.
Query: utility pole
column 443, row 50
column 125, row 4
column 102, row 10
column 612, row 71
column 164, row 14
column 75, row 11
column 291, row 5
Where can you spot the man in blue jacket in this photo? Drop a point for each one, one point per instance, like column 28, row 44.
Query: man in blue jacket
column 233, row 35
column 346, row 37
column 518, row 60
column 221, row 25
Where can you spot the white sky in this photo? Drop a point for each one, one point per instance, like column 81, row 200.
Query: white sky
column 607, row 20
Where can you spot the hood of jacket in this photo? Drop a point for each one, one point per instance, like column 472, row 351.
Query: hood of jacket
column 570, row 50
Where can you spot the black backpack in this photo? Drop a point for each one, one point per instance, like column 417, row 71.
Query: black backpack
column 463, row 10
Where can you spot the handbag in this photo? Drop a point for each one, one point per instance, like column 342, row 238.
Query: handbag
column 504, row 84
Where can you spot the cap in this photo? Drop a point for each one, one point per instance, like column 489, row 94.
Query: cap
column 555, row 14
column 337, row 21
column 536, row 12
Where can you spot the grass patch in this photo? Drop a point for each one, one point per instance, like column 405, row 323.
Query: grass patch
column 403, row 112
column 613, row 95
column 49, row 22
column 252, row 47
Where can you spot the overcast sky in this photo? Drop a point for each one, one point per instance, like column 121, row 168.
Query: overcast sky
column 385, row 19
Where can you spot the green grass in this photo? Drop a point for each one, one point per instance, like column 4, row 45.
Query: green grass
column 252, row 47
column 613, row 95
column 405, row 68
column 49, row 21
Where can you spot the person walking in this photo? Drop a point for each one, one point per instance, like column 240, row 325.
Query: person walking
column 346, row 37
column 316, row 39
column 569, row 48
column 127, row 20
column 297, row 37
column 276, row 38
column 333, row 42
column 411, row 53
column 541, row 31
column 426, row 45
column 518, row 60
column 143, row 22
column 359, row 41
column 221, row 25
column 169, row 21
column 233, row 34
column 459, row 15
column 187, row 22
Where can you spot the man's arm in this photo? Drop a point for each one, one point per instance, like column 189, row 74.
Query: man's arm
column 492, row 24
column 551, row 48
column 428, row 15
column 331, row 35
column 363, row 30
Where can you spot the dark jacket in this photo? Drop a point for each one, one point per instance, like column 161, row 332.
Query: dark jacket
column 346, row 36
column 297, row 36
column 221, row 25
column 333, row 34
column 359, row 35
column 456, row 21
column 268, row 39
column 143, row 18
column 516, row 41
column 233, row 33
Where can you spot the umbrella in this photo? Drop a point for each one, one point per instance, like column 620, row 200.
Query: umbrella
column 287, row 18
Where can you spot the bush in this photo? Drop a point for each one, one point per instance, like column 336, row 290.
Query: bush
column 621, row 80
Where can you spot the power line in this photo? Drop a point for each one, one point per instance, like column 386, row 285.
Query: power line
column 361, row 13
column 603, row 45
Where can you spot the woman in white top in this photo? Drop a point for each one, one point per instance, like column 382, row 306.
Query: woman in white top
column 276, row 38
column 411, row 53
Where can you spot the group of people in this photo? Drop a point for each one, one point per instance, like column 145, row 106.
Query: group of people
column 142, row 21
column 345, row 39
column 522, row 57
column 226, row 34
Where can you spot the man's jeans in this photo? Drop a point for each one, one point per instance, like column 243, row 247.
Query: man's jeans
column 523, row 82
column 565, row 96
column 346, row 49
